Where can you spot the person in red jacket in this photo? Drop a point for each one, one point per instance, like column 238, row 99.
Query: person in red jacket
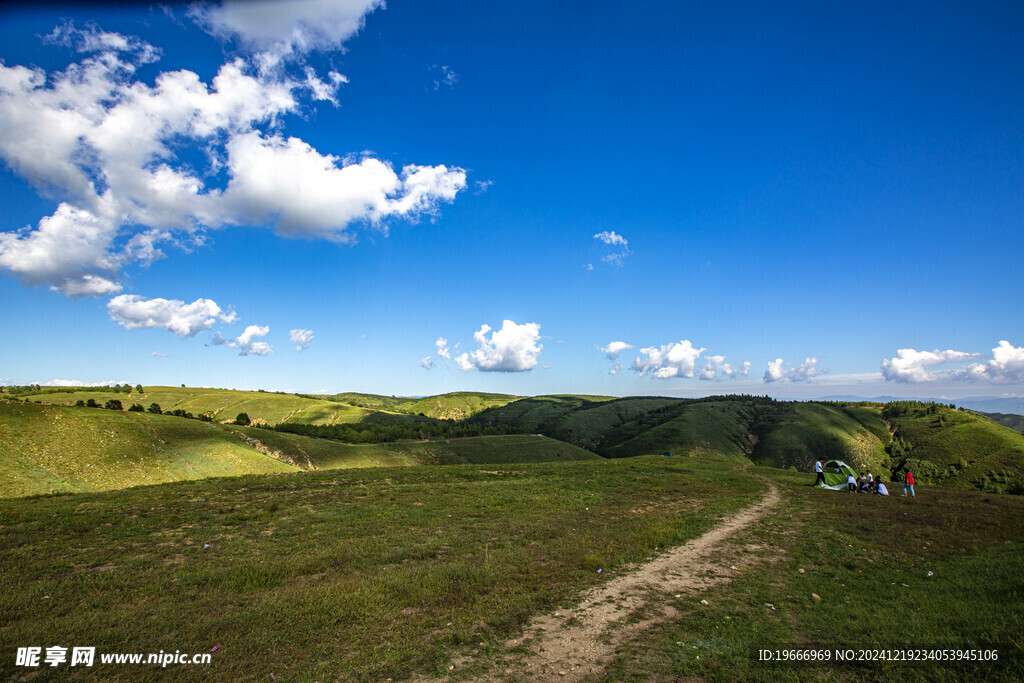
column 909, row 483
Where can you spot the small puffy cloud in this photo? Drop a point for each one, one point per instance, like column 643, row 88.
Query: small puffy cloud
column 612, row 352
column 614, row 348
column 1005, row 367
column 611, row 237
column 482, row 186
column 246, row 342
column 778, row 371
column 427, row 363
column 670, row 360
column 279, row 28
column 185, row 320
column 442, row 348
column 75, row 383
column 911, row 365
column 157, row 354
column 513, row 348
column 301, row 338
column 716, row 365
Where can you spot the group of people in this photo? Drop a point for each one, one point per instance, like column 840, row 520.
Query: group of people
column 865, row 483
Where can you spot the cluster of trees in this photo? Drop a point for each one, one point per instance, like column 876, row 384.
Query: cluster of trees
column 914, row 409
column 363, row 432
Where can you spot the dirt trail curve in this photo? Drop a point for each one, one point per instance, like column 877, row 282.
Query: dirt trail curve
column 579, row 643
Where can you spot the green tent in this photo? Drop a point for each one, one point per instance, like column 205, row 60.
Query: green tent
column 835, row 475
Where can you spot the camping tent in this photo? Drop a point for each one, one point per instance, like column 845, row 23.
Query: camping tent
column 835, row 475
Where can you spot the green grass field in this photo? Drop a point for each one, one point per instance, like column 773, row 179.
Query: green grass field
column 224, row 404
column 349, row 574
column 962, row 449
column 400, row 572
column 939, row 571
column 50, row 449
column 46, row 449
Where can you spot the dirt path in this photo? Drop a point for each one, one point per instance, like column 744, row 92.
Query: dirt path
column 575, row 644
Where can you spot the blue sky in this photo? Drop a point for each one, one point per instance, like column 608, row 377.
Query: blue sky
column 803, row 201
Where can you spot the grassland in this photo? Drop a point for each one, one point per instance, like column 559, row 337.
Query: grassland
column 815, row 431
column 960, row 449
column 399, row 572
column 47, row 449
column 315, row 454
column 939, row 571
column 351, row 575
column 224, row 404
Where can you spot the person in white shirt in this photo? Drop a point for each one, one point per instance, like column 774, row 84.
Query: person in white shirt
column 880, row 488
column 851, row 483
column 819, row 470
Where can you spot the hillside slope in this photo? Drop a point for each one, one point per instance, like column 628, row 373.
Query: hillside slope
column 813, row 430
column 956, row 448
column 50, row 449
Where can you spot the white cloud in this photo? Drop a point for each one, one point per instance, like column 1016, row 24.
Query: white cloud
column 301, row 338
column 670, row 360
column 442, row 348
column 513, row 348
column 308, row 194
column 612, row 238
column 612, row 352
column 70, row 250
column 1006, row 366
column 157, row 354
column 910, row 365
column 716, row 365
column 245, row 342
column 615, row 348
column 283, row 27
column 777, row 371
column 118, row 154
column 427, row 363
column 185, row 320
column 75, row 383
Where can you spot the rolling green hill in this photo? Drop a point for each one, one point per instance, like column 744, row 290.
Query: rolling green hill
column 49, row 449
column 274, row 408
column 224, row 404
column 955, row 448
column 1014, row 422
column 316, row 454
column 815, row 430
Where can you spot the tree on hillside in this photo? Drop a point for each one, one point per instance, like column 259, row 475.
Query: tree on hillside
column 117, row 388
column 154, row 408
column 135, row 408
column 79, row 403
column 91, row 403
column 242, row 419
column 113, row 404
column 138, row 388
